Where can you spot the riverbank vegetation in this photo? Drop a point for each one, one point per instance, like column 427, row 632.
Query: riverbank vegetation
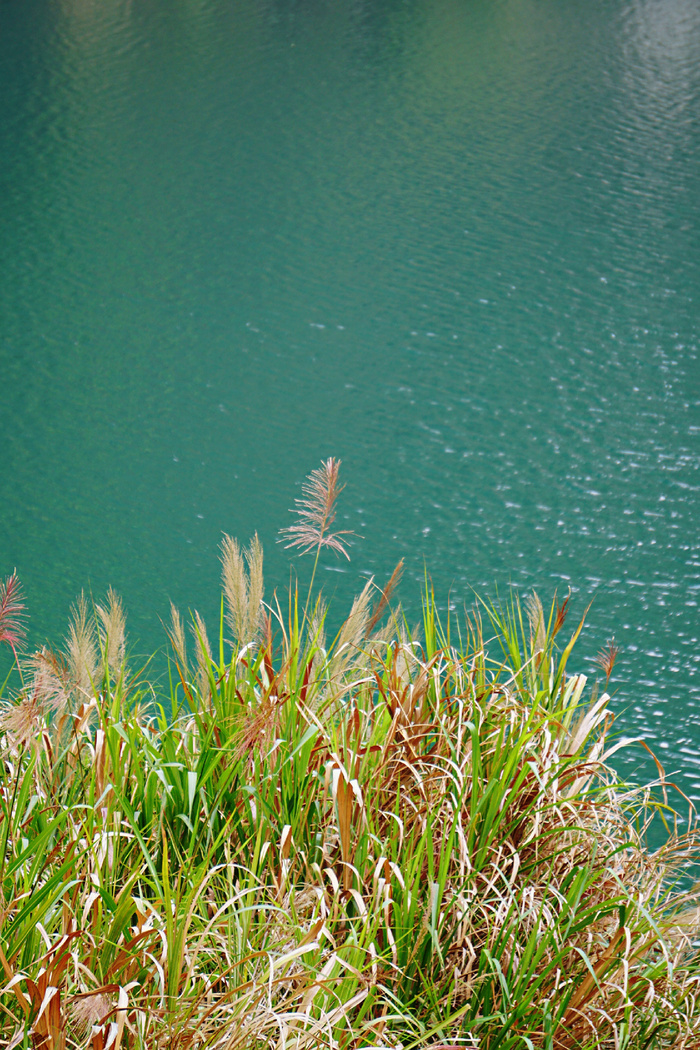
column 391, row 838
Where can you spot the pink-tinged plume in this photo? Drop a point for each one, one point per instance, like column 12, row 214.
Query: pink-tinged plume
column 12, row 607
column 316, row 511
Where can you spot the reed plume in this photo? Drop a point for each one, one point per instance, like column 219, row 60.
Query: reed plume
column 47, row 693
column 177, row 637
column 81, row 647
column 606, row 659
column 12, row 629
column 203, row 654
column 385, row 597
column 88, row 1009
column 243, row 590
column 560, row 613
column 24, row 721
column 317, row 630
column 52, row 681
column 316, row 511
column 535, row 616
column 353, row 632
column 112, row 627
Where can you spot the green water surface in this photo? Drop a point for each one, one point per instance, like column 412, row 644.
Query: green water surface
column 453, row 242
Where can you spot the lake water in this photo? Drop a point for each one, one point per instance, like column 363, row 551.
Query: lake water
column 453, row 242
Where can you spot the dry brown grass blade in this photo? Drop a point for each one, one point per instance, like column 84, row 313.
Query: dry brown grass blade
column 126, row 955
column 344, row 802
column 589, row 987
column 22, row 999
column 48, row 1031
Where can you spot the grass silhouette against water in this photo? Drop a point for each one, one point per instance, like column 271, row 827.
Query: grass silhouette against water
column 380, row 840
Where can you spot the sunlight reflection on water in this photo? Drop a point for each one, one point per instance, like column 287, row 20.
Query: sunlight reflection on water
column 455, row 245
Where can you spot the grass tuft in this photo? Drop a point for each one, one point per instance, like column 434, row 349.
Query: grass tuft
column 385, row 840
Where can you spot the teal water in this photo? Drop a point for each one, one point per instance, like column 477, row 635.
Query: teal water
column 453, row 242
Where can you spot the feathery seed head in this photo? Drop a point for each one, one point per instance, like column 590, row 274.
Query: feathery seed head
column 177, row 637
column 81, row 647
column 203, row 654
column 12, row 629
column 385, row 596
column 243, row 590
column 51, row 683
column 561, row 611
column 235, row 585
column 89, row 1010
column 112, row 624
column 256, row 587
column 535, row 615
column 346, row 651
column 606, row 659
column 24, row 721
column 317, row 630
column 316, row 511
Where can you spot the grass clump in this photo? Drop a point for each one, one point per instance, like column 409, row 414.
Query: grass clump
column 384, row 840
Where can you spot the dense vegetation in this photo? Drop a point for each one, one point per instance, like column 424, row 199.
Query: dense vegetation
column 390, row 839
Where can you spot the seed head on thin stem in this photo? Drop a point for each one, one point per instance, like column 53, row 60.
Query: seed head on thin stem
column 81, row 647
column 606, row 659
column 316, row 512
column 243, row 590
column 111, row 623
column 12, row 630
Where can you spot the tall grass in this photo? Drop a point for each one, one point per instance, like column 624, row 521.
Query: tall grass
column 380, row 840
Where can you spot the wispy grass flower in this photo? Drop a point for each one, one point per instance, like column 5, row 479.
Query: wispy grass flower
column 243, row 591
column 112, row 629
column 353, row 631
column 385, row 596
column 24, row 721
column 81, row 647
column 316, row 512
column 203, row 653
column 177, row 637
column 52, row 682
column 12, row 629
column 606, row 659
